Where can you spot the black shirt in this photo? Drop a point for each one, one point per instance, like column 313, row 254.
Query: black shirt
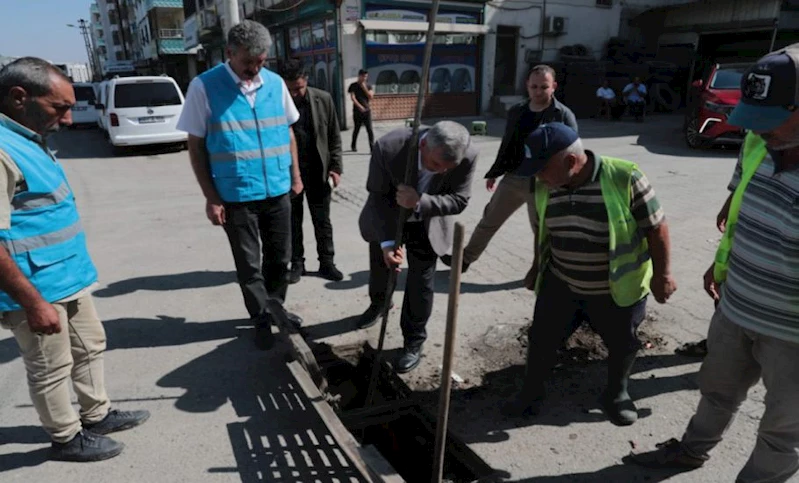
column 528, row 122
column 360, row 95
column 304, row 132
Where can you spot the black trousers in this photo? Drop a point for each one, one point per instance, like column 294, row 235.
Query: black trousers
column 418, row 302
column 318, row 194
column 260, row 238
column 559, row 312
column 362, row 119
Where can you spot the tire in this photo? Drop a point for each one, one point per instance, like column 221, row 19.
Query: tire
column 692, row 137
column 665, row 97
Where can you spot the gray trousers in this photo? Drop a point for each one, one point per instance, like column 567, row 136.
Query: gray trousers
column 737, row 358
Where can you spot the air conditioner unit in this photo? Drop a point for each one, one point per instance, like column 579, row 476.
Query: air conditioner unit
column 557, row 25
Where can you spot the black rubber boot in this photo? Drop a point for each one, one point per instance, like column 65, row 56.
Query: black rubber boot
column 616, row 401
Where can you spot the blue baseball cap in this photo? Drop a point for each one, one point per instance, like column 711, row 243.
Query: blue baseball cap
column 769, row 91
column 543, row 143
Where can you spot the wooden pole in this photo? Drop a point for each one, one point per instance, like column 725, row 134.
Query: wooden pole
column 449, row 352
column 410, row 164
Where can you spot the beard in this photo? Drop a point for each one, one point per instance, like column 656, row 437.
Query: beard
column 39, row 120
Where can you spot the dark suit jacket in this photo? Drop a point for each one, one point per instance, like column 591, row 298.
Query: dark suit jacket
column 509, row 156
column 328, row 134
column 447, row 195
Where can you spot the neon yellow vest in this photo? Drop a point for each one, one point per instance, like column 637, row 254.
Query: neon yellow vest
column 754, row 152
column 630, row 266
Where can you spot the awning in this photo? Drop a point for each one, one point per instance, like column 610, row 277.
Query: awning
column 404, row 26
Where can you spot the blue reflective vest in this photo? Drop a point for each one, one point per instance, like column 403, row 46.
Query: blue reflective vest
column 46, row 239
column 248, row 147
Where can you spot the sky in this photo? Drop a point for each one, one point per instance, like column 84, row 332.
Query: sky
column 39, row 28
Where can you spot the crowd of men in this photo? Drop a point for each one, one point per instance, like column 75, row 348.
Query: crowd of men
column 261, row 144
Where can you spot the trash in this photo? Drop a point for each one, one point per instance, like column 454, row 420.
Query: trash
column 454, row 376
column 632, row 444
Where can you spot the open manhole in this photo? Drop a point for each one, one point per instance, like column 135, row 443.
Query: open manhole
column 401, row 430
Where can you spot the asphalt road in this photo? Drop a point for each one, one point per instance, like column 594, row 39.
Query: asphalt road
column 223, row 411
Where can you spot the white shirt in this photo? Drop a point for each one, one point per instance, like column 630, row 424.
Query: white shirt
column 636, row 95
column 605, row 93
column 422, row 183
column 197, row 110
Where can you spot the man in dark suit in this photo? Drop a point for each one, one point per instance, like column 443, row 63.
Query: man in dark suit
column 440, row 189
column 319, row 150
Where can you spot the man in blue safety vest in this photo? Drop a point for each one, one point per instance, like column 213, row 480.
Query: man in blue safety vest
column 46, row 273
column 238, row 116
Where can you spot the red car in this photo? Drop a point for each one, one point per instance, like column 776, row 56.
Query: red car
column 714, row 97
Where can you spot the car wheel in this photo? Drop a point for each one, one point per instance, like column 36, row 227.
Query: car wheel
column 692, row 137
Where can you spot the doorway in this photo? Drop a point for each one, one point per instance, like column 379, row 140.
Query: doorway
column 505, row 61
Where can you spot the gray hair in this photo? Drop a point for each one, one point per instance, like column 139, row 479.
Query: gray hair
column 30, row 73
column 250, row 35
column 451, row 137
column 575, row 148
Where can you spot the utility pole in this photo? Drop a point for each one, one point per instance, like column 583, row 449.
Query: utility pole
column 231, row 14
column 84, row 30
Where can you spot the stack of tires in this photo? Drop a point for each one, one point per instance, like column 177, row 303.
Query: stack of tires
column 581, row 81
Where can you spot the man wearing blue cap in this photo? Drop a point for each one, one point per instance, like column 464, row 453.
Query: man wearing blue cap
column 602, row 244
column 754, row 332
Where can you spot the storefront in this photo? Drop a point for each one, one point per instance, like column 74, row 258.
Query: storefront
column 309, row 34
column 394, row 38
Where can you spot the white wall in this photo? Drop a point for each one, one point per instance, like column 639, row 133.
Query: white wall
column 529, row 23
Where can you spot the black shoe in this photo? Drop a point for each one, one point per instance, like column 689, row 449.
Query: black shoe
column 118, row 421
column 264, row 339
column 371, row 316
column 328, row 271
column 86, row 446
column 294, row 320
column 620, row 409
column 296, row 272
column 409, row 358
column 447, row 260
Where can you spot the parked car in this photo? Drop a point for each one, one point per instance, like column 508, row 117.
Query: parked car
column 142, row 110
column 714, row 97
column 83, row 112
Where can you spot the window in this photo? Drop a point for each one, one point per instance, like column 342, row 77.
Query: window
column 120, row 56
column 146, row 94
column 115, row 37
column 728, row 78
column 84, row 93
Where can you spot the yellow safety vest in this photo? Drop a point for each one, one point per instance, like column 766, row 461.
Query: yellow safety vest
column 754, row 152
column 630, row 268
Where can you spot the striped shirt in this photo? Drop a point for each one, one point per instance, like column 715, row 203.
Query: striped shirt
column 577, row 221
column 761, row 292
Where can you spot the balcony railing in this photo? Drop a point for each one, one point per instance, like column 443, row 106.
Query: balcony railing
column 170, row 33
column 171, row 46
column 100, row 41
column 164, row 4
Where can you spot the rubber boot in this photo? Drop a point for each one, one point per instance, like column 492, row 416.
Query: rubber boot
column 528, row 402
column 616, row 400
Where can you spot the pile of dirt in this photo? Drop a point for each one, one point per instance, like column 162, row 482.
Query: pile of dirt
column 506, row 344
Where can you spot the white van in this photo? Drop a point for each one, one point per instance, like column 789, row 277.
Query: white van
column 83, row 112
column 142, row 110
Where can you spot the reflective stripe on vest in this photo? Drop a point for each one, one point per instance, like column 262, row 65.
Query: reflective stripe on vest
column 630, row 267
column 248, row 146
column 46, row 238
column 754, row 152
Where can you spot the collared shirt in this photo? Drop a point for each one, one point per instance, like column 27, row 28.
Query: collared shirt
column 577, row 220
column 423, row 179
column 761, row 292
column 635, row 95
column 605, row 93
column 197, row 109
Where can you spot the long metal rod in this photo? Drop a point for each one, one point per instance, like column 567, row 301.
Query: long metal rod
column 449, row 352
column 404, row 212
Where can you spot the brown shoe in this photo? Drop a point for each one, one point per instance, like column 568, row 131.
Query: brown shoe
column 671, row 454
